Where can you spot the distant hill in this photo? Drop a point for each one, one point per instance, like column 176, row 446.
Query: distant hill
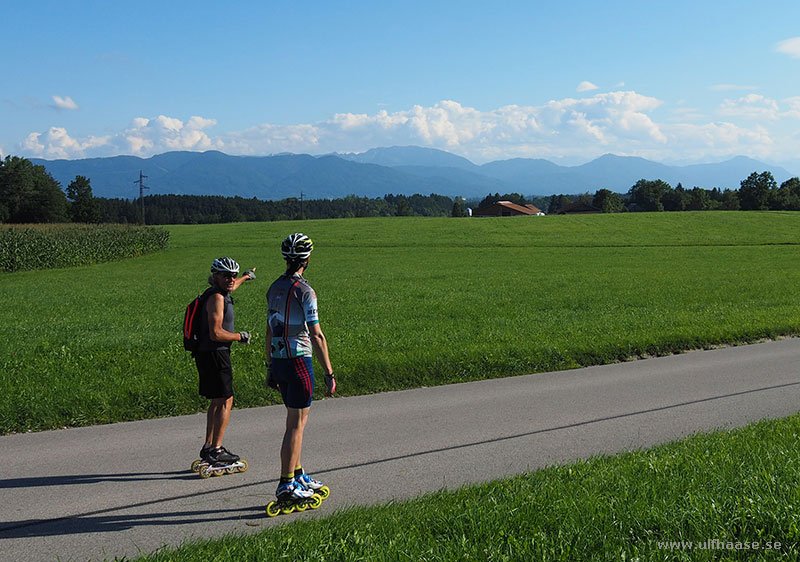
column 377, row 172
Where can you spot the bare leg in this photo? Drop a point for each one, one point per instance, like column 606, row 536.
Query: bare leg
column 292, row 446
column 219, row 412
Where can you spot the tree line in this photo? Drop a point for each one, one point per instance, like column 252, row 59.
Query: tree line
column 29, row 194
column 757, row 192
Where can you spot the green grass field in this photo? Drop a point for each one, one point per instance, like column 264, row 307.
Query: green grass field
column 404, row 302
column 733, row 495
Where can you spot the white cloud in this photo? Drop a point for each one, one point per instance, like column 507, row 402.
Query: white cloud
column 64, row 103
column 789, row 47
column 586, row 87
column 751, row 106
column 576, row 129
column 151, row 136
column 56, row 143
column 793, row 107
column 144, row 137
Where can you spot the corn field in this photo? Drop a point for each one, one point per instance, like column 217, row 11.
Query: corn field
column 28, row 247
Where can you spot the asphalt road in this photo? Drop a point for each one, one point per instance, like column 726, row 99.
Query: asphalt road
column 122, row 489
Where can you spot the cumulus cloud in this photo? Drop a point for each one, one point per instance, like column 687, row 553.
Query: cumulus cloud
column 751, row 106
column 148, row 136
column 789, row 47
column 64, row 103
column 574, row 129
column 56, row 143
column 587, row 87
column 144, row 137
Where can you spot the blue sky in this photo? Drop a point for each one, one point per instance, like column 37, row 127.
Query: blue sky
column 678, row 82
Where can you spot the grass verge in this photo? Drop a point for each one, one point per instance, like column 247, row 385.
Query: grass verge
column 721, row 492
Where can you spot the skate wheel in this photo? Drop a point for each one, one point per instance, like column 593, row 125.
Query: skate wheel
column 205, row 472
column 230, row 470
column 286, row 510
column 273, row 510
column 243, row 467
column 217, row 472
column 324, row 492
column 315, row 502
column 301, row 506
column 196, row 465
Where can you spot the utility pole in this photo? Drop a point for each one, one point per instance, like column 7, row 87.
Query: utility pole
column 142, row 187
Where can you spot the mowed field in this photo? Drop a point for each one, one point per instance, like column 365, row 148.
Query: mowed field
column 404, row 302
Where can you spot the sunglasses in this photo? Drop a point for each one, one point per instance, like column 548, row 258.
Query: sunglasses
column 229, row 275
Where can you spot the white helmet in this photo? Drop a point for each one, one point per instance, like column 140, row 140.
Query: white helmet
column 296, row 246
column 224, row 265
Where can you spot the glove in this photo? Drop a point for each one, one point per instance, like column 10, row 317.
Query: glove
column 244, row 337
column 251, row 274
column 330, row 384
column 270, row 381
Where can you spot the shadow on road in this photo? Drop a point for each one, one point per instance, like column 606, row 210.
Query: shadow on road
column 67, row 480
column 110, row 523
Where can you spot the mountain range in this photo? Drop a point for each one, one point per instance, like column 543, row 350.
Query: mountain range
column 379, row 171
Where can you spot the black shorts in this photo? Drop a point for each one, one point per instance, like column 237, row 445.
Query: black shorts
column 216, row 373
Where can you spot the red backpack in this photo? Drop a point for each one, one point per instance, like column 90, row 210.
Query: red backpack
column 192, row 320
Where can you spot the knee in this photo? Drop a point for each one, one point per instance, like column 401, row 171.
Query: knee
column 222, row 403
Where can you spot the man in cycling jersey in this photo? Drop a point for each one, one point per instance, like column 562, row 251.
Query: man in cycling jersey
column 293, row 333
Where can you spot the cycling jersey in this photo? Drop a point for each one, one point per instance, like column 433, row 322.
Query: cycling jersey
column 292, row 307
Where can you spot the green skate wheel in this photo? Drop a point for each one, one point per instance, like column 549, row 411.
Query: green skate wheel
column 196, row 465
column 315, row 501
column 301, row 506
column 287, row 509
column 242, row 468
column 273, row 510
column 324, row 492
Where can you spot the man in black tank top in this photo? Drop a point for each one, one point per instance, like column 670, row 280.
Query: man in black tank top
column 213, row 357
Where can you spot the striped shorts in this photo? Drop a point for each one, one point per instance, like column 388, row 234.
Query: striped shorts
column 295, row 378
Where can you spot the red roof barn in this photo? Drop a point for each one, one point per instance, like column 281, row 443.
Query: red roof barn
column 506, row 209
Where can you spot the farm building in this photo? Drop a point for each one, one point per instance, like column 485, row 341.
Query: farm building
column 506, row 209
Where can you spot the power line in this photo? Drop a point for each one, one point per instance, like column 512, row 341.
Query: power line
column 142, row 187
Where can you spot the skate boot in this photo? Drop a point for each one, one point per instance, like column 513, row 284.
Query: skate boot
column 314, row 485
column 203, row 460
column 221, row 461
column 292, row 496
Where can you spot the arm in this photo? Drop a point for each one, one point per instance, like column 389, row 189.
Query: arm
column 246, row 276
column 268, row 344
column 320, row 345
column 268, row 353
column 216, row 312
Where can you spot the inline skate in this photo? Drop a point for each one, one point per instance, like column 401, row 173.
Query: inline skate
column 314, row 485
column 292, row 496
column 216, row 462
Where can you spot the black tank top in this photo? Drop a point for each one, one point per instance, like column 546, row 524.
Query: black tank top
column 227, row 321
